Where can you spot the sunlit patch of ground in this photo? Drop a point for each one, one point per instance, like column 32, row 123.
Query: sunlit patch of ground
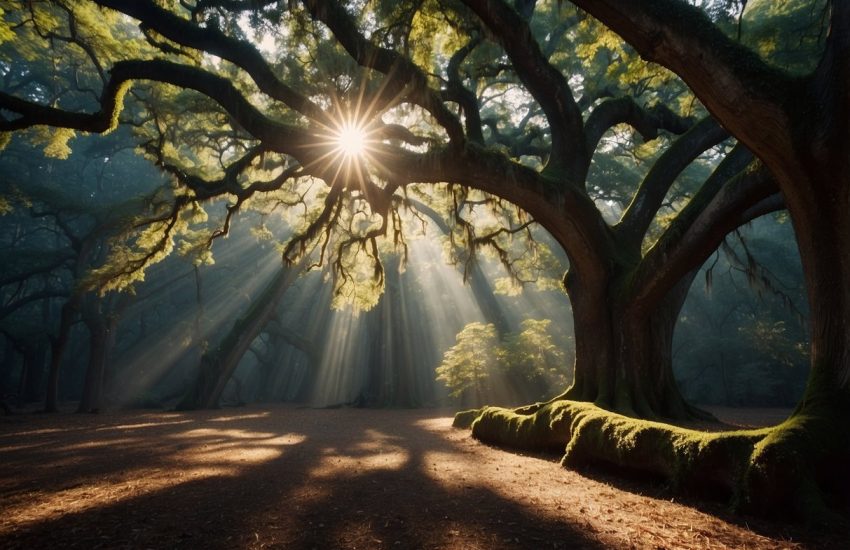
column 293, row 478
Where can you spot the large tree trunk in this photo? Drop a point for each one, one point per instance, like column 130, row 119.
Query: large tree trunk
column 624, row 358
column 802, row 465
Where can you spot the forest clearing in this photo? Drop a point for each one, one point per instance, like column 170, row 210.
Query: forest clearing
column 425, row 273
column 294, row 478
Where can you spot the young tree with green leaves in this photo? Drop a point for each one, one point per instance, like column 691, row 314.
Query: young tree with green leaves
column 468, row 365
column 485, row 367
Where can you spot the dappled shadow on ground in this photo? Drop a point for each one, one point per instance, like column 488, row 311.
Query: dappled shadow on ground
column 291, row 478
column 294, row 478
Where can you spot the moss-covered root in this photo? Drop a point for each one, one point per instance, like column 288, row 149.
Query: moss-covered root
column 801, row 470
column 464, row 419
column 546, row 429
column 708, row 463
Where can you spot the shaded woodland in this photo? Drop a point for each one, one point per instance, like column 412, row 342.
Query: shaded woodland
column 580, row 223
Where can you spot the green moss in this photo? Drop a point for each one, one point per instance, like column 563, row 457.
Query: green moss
column 118, row 106
column 464, row 419
column 5, row 139
column 546, row 429
column 705, row 462
column 799, row 470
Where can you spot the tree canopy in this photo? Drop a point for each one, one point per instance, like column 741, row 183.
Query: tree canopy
column 638, row 134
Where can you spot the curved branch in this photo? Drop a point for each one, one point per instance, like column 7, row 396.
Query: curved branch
column 464, row 97
column 403, row 77
column 567, row 213
column 752, row 99
column 700, row 229
column 211, row 40
column 277, row 136
column 647, row 122
column 545, row 83
column 650, row 195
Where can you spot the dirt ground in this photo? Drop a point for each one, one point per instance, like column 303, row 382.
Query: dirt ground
column 280, row 477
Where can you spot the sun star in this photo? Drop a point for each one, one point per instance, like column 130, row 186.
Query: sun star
column 351, row 140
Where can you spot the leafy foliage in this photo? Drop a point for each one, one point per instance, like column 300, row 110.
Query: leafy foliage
column 470, row 362
column 522, row 366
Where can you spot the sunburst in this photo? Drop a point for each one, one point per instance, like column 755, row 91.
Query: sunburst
column 351, row 140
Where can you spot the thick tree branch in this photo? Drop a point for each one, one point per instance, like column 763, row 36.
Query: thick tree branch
column 212, row 41
column 402, row 76
column 464, row 97
column 566, row 212
column 279, row 137
column 751, row 99
column 647, row 122
column 700, row 229
column 545, row 83
column 650, row 195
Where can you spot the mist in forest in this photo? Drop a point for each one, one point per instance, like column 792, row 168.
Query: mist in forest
column 439, row 331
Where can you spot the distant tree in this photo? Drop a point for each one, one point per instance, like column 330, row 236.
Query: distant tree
column 524, row 366
column 468, row 365
column 531, row 360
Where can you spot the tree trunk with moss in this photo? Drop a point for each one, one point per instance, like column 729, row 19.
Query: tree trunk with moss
column 803, row 462
column 797, row 126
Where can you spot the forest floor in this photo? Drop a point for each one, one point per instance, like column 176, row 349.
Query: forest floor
column 281, row 477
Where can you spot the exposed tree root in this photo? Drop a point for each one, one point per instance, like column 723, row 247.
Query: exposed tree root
column 770, row 471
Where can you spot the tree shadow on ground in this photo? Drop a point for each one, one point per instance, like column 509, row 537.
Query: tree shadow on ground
column 713, row 503
column 292, row 479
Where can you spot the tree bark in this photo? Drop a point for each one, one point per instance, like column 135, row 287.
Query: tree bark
column 624, row 357
column 797, row 127
column 801, row 462
column 57, row 351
